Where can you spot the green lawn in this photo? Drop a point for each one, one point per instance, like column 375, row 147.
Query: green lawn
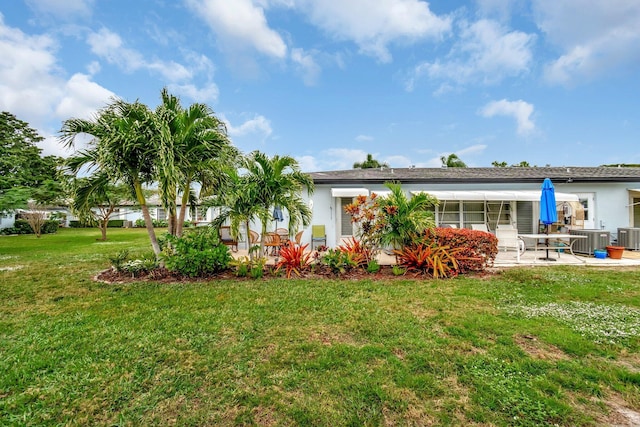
column 541, row 346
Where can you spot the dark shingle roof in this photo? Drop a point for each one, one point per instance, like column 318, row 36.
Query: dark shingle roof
column 478, row 175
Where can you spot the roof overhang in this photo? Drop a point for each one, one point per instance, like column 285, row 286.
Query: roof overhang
column 504, row 196
column 349, row 192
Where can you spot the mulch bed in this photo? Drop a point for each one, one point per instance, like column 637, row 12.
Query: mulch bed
column 162, row 275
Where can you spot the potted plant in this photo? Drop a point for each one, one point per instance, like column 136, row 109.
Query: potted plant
column 615, row 252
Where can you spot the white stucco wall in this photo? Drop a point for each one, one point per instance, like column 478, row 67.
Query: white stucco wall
column 611, row 209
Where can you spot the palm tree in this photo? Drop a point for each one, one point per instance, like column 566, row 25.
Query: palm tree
column 95, row 200
column 452, row 161
column 370, row 163
column 123, row 148
column 236, row 202
column 276, row 181
column 191, row 141
column 407, row 218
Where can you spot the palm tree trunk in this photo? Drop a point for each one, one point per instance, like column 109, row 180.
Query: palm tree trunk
column 147, row 219
column 183, row 212
column 150, row 230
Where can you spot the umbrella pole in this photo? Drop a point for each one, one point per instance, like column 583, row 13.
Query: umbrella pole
column 547, row 242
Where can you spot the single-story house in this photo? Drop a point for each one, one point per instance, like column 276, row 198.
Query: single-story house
column 591, row 198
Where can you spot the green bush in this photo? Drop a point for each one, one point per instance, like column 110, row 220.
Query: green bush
column 50, row 226
column 156, row 223
column 21, row 226
column 479, row 247
column 77, row 224
column 113, row 223
column 197, row 253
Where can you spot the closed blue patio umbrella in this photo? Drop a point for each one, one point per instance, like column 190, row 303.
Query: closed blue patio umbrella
column 548, row 212
column 277, row 215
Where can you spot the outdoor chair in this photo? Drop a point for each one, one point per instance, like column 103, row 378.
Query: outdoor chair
column 272, row 243
column 507, row 237
column 284, row 235
column 318, row 236
column 480, row 227
column 225, row 237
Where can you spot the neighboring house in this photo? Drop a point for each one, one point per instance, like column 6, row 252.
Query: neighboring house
column 603, row 198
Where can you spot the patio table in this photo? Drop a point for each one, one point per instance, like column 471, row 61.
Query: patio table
column 567, row 239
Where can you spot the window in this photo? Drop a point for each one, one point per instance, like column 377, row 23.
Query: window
column 161, row 214
column 585, row 207
column 346, row 227
column 200, row 214
column 473, row 213
column 449, row 213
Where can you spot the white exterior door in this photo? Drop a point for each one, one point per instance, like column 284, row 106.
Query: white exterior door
column 587, row 200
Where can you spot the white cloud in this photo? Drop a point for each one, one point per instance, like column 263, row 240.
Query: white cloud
column 34, row 88
column 604, row 36
column 258, row 125
column 486, row 52
column 307, row 66
column 28, row 74
column 375, row 25
column 240, row 23
column 82, row 98
column 520, row 110
column 364, row 138
column 109, row 45
column 207, row 93
column 308, row 163
column 62, row 9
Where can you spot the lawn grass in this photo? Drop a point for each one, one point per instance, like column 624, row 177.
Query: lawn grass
column 528, row 346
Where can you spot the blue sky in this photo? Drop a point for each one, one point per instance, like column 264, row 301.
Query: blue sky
column 550, row 82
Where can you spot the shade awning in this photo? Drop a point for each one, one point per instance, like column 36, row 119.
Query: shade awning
column 497, row 195
column 383, row 193
column 349, row 192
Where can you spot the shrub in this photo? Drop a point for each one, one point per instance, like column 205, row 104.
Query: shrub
column 74, row 223
column 373, row 266
column 21, row 226
column 257, row 268
column 433, row 260
column 114, row 223
column 478, row 248
column 197, row 253
column 338, row 261
column 397, row 270
column 242, row 266
column 356, row 251
column 140, row 266
column 156, row 223
column 294, row 259
column 50, row 226
column 118, row 260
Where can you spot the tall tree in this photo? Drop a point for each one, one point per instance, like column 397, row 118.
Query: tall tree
column 452, row 161
column 407, row 218
column 124, row 147
column 95, row 200
column 236, row 203
column 370, row 163
column 277, row 181
column 192, row 140
column 24, row 174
